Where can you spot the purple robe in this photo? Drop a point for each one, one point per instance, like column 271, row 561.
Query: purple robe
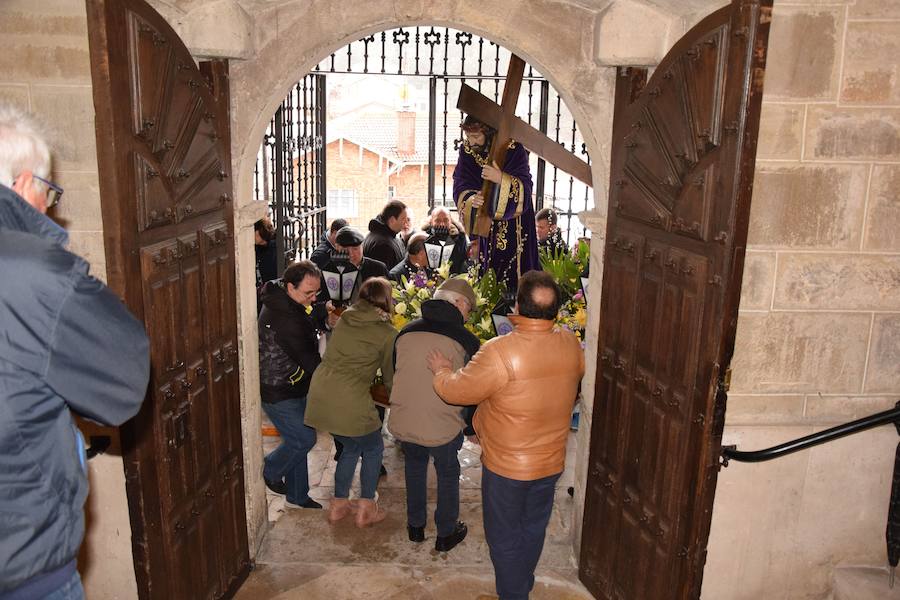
column 511, row 247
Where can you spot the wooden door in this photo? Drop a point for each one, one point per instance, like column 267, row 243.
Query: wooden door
column 684, row 147
column 164, row 160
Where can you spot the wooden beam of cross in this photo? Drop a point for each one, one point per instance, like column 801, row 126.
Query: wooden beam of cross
column 509, row 127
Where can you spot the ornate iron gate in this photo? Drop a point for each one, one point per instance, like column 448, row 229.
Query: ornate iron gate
column 290, row 169
column 448, row 58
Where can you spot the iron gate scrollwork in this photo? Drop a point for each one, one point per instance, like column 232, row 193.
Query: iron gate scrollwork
column 290, row 169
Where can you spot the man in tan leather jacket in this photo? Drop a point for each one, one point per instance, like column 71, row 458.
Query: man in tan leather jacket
column 525, row 385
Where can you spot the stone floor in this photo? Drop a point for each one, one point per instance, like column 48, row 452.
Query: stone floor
column 304, row 558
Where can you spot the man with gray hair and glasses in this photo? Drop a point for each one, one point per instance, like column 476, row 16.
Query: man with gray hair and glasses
column 68, row 346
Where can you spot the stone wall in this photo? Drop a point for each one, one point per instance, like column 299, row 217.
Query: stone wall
column 45, row 67
column 819, row 331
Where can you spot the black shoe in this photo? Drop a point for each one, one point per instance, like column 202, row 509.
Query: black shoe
column 277, row 487
column 310, row 503
column 382, row 472
column 416, row 534
column 449, row 542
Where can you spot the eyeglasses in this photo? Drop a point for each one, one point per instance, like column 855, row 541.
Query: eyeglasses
column 54, row 192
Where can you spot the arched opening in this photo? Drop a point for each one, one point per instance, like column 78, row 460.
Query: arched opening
column 318, row 129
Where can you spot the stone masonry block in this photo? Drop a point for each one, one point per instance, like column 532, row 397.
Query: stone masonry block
column 754, row 519
column 800, row 352
column 89, row 246
column 840, row 409
column 759, row 278
column 883, row 374
column 15, row 94
column 617, row 42
column 883, row 216
column 780, row 131
column 837, row 282
column 871, row 73
column 69, row 112
column 44, row 41
column 764, row 409
column 79, row 209
column 807, row 206
column 875, row 9
column 839, row 520
column 852, row 133
column 804, row 45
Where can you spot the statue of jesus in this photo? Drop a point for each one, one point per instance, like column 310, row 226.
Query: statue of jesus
column 511, row 246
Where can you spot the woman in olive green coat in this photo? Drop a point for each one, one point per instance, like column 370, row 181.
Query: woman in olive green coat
column 339, row 400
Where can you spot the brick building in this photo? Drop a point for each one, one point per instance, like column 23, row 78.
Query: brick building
column 373, row 157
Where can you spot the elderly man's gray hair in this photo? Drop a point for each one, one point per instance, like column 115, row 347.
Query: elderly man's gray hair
column 23, row 146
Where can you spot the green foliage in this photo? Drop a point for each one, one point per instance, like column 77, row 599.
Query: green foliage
column 567, row 268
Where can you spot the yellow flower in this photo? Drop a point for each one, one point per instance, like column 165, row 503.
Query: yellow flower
column 424, row 294
column 309, row 309
column 400, row 321
column 581, row 317
column 400, row 308
column 485, row 324
column 443, row 271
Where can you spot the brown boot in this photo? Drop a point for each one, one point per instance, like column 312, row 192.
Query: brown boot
column 339, row 508
column 369, row 513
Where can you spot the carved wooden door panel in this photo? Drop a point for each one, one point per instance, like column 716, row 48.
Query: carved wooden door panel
column 164, row 156
column 684, row 147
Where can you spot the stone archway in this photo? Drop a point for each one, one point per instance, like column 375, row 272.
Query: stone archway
column 276, row 69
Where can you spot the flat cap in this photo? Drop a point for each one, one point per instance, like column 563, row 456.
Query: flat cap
column 347, row 236
column 458, row 286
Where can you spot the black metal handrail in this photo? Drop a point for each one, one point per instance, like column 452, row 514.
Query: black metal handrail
column 883, row 418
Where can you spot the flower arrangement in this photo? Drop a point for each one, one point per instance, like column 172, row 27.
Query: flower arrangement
column 409, row 294
column 567, row 268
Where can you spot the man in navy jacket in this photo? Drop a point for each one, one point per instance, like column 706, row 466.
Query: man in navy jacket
column 67, row 346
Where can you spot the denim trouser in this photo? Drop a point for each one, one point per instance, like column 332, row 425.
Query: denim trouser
column 371, row 448
column 516, row 514
column 288, row 460
column 72, row 590
column 446, row 465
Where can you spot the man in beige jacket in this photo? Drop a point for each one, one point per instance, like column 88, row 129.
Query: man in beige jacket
column 525, row 385
column 428, row 428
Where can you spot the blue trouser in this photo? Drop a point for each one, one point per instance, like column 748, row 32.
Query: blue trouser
column 288, row 460
column 371, row 448
column 516, row 514
column 446, row 465
column 63, row 583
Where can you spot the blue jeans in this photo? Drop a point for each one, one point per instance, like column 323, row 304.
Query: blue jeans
column 516, row 514
column 371, row 448
column 446, row 465
column 288, row 460
column 72, row 590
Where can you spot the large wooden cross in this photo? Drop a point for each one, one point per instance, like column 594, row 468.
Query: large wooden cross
column 509, row 127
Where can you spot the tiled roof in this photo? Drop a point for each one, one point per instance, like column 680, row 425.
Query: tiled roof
column 378, row 132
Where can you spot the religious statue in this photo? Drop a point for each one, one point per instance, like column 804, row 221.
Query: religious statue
column 510, row 248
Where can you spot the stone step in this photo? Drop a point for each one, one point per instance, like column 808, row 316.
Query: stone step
column 864, row 583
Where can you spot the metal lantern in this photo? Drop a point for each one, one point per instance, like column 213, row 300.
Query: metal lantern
column 500, row 316
column 438, row 247
column 340, row 278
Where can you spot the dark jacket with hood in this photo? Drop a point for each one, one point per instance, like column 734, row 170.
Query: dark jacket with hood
column 382, row 244
column 322, row 253
column 288, row 345
column 67, row 345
